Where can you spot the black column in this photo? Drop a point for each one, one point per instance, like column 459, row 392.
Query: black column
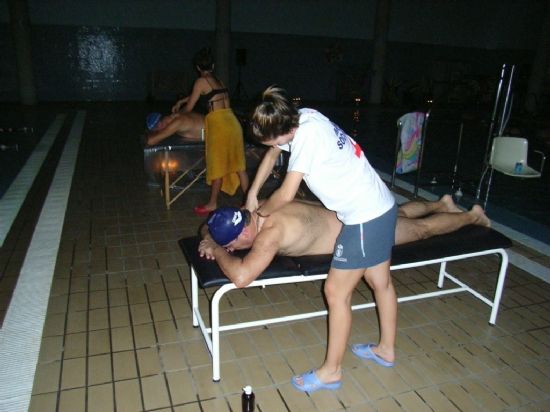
column 21, row 31
column 223, row 36
column 381, row 25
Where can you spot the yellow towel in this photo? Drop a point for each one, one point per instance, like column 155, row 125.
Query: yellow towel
column 224, row 149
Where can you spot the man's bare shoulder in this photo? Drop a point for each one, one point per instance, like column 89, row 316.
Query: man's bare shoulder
column 193, row 115
column 313, row 203
column 269, row 238
column 308, row 207
column 186, row 116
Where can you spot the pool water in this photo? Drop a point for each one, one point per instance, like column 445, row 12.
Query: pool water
column 521, row 204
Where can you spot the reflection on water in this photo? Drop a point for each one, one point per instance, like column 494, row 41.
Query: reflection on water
column 98, row 53
column 99, row 57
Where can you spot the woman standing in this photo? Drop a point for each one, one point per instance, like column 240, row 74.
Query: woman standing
column 225, row 160
column 336, row 170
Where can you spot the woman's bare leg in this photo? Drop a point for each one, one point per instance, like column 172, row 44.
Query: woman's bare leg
column 215, row 187
column 338, row 291
column 379, row 279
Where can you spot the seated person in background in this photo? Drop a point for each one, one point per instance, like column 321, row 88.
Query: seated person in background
column 307, row 228
column 189, row 125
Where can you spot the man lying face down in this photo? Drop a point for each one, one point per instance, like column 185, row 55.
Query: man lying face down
column 188, row 125
column 307, row 228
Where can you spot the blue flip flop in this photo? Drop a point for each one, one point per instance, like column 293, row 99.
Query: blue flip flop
column 364, row 351
column 311, row 383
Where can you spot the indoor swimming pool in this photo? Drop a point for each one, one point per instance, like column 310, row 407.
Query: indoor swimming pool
column 20, row 132
column 25, row 149
column 15, row 148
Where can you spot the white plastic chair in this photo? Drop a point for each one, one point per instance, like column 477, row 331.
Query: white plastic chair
column 509, row 156
column 507, row 152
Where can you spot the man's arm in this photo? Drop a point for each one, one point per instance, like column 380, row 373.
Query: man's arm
column 243, row 271
column 158, row 136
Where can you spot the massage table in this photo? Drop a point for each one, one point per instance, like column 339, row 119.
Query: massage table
column 167, row 163
column 175, row 158
column 467, row 242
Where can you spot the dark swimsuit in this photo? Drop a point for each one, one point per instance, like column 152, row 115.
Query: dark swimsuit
column 204, row 99
column 214, row 92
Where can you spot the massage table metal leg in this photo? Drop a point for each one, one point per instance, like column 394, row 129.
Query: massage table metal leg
column 442, row 273
column 169, row 185
column 182, row 191
column 166, row 172
column 499, row 287
column 211, row 335
column 194, row 296
column 495, row 303
column 215, row 334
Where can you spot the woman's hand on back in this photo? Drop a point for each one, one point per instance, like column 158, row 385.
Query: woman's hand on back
column 251, row 203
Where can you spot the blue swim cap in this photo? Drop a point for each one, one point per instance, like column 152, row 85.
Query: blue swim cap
column 225, row 224
column 152, row 120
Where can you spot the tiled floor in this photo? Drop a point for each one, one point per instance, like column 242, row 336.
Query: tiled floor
column 118, row 333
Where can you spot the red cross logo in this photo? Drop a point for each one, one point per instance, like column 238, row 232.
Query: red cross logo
column 358, row 150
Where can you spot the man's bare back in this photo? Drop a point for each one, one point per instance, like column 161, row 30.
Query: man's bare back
column 188, row 125
column 304, row 228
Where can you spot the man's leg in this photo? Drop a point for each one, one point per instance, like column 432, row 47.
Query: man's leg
column 419, row 208
column 409, row 230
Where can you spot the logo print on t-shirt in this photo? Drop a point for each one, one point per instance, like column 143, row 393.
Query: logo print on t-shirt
column 339, row 250
column 342, row 137
column 358, row 150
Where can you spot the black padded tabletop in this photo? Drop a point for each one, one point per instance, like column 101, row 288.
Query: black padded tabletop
column 175, row 142
column 469, row 239
column 313, row 264
column 209, row 273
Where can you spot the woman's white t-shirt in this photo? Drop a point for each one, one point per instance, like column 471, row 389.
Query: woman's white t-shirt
column 336, row 170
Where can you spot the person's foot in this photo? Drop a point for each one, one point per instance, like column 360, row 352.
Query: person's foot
column 450, row 205
column 202, row 210
column 367, row 352
column 480, row 216
column 310, row 382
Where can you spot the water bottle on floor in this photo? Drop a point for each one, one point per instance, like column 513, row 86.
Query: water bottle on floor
column 248, row 399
